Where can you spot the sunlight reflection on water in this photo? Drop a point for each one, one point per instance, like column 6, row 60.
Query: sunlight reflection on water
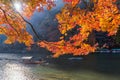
column 94, row 69
column 12, row 69
column 15, row 72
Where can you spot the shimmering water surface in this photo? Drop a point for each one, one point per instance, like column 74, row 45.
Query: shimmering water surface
column 94, row 67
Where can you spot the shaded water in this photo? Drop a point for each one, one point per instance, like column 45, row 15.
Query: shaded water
column 92, row 67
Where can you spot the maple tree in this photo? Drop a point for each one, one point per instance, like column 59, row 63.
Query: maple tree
column 98, row 15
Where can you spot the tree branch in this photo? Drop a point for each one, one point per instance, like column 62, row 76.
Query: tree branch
column 32, row 27
column 8, row 20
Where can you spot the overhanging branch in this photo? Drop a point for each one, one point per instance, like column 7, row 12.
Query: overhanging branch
column 5, row 15
column 32, row 27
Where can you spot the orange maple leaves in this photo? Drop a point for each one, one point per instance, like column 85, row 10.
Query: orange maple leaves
column 13, row 22
column 104, row 17
column 66, row 47
column 38, row 5
column 73, row 2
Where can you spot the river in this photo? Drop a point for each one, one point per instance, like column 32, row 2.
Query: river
column 93, row 67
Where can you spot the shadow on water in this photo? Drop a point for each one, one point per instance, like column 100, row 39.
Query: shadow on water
column 102, row 63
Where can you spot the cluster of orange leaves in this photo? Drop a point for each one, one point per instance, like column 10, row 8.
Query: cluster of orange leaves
column 104, row 17
column 12, row 24
column 13, row 27
column 73, row 2
column 32, row 5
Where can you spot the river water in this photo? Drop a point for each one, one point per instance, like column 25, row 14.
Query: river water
column 94, row 67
